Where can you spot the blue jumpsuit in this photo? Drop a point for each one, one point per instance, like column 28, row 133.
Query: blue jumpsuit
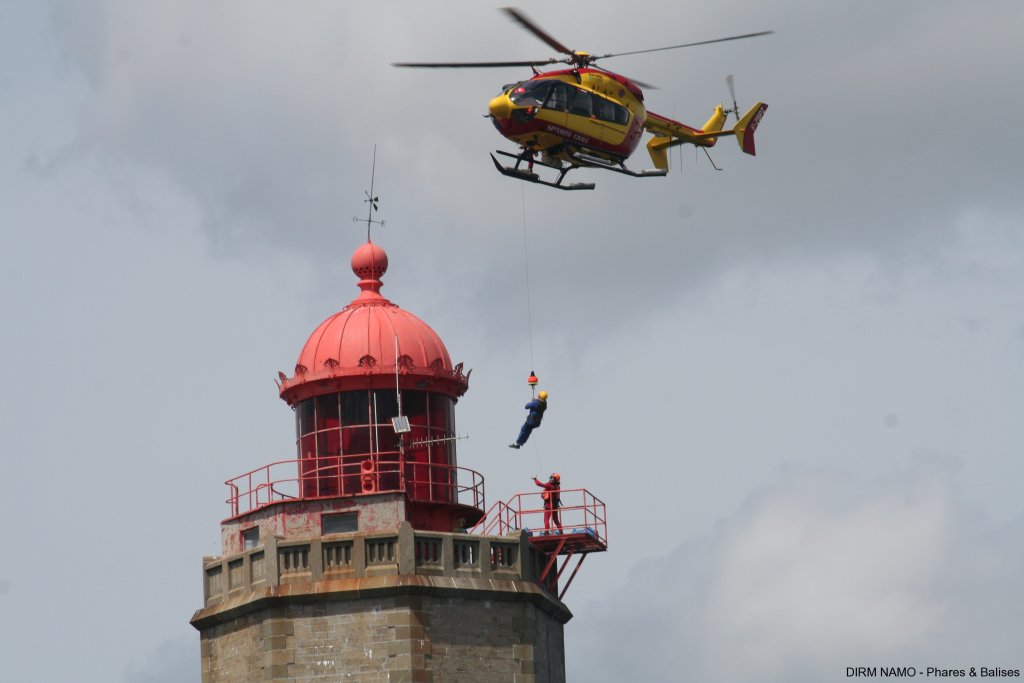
column 536, row 407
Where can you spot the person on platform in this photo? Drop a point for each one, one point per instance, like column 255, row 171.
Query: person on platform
column 536, row 407
column 552, row 500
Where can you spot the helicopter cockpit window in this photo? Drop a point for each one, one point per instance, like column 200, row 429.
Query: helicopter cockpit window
column 558, row 98
column 609, row 111
column 580, row 105
column 603, row 109
column 530, row 93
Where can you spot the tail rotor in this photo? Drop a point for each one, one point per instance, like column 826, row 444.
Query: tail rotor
column 729, row 81
column 747, row 124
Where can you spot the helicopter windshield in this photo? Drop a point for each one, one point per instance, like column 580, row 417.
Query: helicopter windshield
column 530, row 93
column 561, row 96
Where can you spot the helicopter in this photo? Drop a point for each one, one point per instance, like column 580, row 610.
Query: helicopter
column 585, row 116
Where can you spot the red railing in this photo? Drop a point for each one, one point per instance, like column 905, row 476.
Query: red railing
column 581, row 513
column 341, row 476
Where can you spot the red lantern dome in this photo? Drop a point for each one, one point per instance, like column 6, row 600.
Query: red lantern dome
column 370, row 341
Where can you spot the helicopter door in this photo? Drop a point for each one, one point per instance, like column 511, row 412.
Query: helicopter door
column 556, row 105
column 581, row 119
column 613, row 118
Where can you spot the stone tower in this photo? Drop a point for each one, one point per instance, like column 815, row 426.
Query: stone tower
column 368, row 557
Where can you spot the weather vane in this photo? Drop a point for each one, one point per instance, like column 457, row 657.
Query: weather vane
column 372, row 200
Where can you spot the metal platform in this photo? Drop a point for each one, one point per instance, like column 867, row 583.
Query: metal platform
column 568, row 542
column 584, row 530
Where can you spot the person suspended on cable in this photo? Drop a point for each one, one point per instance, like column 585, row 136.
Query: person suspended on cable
column 536, row 407
column 552, row 500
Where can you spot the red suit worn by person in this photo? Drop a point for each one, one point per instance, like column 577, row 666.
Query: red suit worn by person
column 552, row 500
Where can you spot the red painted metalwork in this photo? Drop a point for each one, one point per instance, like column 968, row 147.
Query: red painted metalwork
column 585, row 528
column 356, row 346
column 384, row 472
column 358, row 423
column 360, row 368
column 552, row 583
column 571, row 576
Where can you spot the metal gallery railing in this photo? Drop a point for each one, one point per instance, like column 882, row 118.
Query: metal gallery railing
column 580, row 512
column 322, row 477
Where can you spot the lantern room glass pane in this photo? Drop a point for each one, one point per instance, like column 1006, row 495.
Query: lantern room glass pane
column 355, row 440
column 339, row 431
column 327, row 411
column 304, row 416
column 440, row 416
column 328, row 443
column 414, row 404
column 307, row 446
column 386, row 404
column 355, row 408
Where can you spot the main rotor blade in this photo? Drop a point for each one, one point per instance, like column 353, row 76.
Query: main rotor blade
column 520, row 18
column 675, row 47
column 471, row 65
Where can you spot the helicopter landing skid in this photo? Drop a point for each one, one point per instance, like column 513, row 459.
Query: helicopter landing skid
column 585, row 160
column 531, row 177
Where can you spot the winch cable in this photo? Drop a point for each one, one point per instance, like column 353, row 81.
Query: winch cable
column 529, row 305
column 526, row 261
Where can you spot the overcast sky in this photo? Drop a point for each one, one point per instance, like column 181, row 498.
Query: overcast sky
column 796, row 382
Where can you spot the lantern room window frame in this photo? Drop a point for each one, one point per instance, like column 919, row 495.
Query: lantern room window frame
column 347, row 444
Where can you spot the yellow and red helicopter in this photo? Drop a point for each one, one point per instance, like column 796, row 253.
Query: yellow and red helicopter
column 588, row 117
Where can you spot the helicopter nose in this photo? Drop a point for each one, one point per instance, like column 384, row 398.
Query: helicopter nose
column 500, row 107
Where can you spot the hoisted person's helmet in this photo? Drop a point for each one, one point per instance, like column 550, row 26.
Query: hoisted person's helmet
column 542, row 395
column 556, row 476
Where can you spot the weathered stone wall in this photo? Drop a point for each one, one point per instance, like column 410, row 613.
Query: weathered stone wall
column 483, row 641
column 302, row 519
column 403, row 638
column 234, row 652
column 406, row 606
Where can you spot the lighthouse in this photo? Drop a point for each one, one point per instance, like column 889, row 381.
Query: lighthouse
column 371, row 555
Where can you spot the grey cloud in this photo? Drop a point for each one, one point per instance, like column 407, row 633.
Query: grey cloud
column 821, row 570
column 173, row 661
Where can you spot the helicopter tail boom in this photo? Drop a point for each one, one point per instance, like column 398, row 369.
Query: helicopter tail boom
column 669, row 133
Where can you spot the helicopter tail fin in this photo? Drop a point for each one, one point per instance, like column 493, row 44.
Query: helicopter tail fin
column 747, row 126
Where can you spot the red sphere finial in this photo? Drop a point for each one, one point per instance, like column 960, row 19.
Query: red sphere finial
column 369, row 263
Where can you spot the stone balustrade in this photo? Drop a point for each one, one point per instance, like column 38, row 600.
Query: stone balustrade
column 405, row 552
